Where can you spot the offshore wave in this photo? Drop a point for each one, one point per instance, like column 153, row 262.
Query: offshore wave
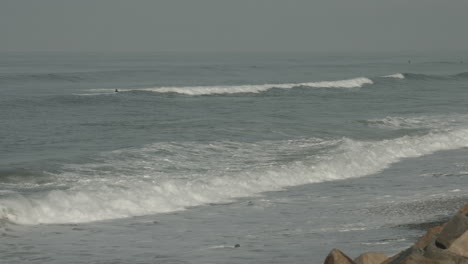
column 259, row 88
column 420, row 76
column 144, row 192
column 462, row 75
column 233, row 89
column 205, row 90
column 395, row 76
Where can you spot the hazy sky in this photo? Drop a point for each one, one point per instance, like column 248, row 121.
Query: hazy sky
column 233, row 25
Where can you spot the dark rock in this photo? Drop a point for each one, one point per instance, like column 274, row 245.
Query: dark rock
column 454, row 229
column 428, row 237
column 435, row 252
column 425, row 225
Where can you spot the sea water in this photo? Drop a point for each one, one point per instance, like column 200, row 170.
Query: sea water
column 178, row 157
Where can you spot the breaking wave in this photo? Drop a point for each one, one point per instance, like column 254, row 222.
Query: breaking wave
column 144, row 184
column 395, row 76
column 259, row 88
column 251, row 88
column 204, row 90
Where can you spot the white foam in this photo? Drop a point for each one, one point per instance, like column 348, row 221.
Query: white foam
column 395, row 76
column 109, row 196
column 206, row 90
column 251, row 88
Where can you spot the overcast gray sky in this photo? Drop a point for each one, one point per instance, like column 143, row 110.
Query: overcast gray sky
column 233, row 25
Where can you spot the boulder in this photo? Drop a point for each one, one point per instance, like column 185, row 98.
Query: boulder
column 428, row 237
column 391, row 259
column 398, row 258
column 371, row 258
column 460, row 245
column 415, row 256
column 436, row 251
column 454, row 229
column 337, row 257
column 420, row 259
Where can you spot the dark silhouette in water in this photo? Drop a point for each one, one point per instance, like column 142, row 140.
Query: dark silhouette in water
column 409, row 61
column 116, row 90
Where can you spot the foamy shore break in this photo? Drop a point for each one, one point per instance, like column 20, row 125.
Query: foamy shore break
column 443, row 244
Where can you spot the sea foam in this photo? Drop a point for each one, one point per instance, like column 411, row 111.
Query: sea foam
column 105, row 197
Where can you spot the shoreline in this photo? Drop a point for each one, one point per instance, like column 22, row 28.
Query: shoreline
column 445, row 242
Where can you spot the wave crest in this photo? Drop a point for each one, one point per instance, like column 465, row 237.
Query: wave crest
column 248, row 88
column 207, row 90
column 94, row 199
column 395, row 76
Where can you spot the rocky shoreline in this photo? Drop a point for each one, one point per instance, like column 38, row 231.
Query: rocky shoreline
column 446, row 243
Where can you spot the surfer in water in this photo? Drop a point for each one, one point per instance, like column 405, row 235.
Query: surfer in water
column 116, row 90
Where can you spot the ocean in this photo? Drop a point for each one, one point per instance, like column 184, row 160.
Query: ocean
column 178, row 157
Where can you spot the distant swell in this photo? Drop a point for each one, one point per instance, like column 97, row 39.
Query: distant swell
column 110, row 198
